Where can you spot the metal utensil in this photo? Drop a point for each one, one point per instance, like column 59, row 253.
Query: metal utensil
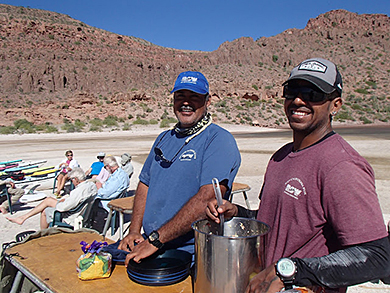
column 218, row 195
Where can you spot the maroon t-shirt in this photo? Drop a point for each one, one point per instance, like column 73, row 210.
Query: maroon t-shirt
column 318, row 200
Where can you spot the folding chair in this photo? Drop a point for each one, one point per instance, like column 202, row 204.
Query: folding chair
column 86, row 205
column 4, row 192
column 111, row 217
column 122, row 206
column 55, row 181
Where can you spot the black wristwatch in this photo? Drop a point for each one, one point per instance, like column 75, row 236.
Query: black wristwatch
column 286, row 270
column 153, row 239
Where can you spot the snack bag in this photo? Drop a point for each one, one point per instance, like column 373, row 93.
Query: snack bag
column 94, row 264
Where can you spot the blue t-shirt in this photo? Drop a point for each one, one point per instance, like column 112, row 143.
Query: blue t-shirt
column 96, row 167
column 211, row 154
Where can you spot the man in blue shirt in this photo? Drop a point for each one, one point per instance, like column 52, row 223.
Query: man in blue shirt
column 176, row 179
column 115, row 184
column 96, row 167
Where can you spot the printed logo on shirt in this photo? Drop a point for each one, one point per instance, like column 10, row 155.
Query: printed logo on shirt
column 294, row 187
column 188, row 155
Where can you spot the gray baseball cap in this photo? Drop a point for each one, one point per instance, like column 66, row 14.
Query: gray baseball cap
column 320, row 72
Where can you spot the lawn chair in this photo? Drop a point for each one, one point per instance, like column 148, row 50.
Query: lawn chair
column 55, row 182
column 4, row 192
column 97, row 207
column 86, row 205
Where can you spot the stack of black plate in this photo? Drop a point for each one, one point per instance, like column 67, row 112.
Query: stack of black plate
column 167, row 268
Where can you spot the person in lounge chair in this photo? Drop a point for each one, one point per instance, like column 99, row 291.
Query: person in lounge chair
column 96, row 167
column 115, row 184
column 66, row 166
column 83, row 190
column 16, row 194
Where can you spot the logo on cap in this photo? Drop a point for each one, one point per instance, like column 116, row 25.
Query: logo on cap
column 189, row 79
column 313, row 66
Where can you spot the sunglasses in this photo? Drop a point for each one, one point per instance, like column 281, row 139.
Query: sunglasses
column 69, row 155
column 159, row 153
column 305, row 93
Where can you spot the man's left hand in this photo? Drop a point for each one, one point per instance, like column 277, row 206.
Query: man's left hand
column 265, row 282
column 140, row 251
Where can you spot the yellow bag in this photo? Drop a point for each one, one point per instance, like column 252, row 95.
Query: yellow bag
column 94, row 264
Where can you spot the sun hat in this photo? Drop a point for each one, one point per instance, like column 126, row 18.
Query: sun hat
column 101, row 154
column 193, row 81
column 125, row 158
column 320, row 72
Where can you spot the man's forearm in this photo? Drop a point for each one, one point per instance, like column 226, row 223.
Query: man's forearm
column 192, row 211
column 350, row 266
column 245, row 213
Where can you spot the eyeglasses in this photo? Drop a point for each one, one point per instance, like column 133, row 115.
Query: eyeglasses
column 305, row 93
column 69, row 155
column 159, row 153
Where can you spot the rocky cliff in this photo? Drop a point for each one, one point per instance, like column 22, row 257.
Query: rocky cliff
column 55, row 70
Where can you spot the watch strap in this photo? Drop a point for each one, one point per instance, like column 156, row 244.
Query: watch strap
column 155, row 242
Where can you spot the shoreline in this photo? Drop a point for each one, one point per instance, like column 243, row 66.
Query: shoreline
column 142, row 130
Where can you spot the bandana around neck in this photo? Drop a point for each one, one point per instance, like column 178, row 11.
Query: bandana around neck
column 205, row 121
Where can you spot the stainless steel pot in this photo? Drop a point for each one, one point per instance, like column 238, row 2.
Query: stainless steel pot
column 224, row 264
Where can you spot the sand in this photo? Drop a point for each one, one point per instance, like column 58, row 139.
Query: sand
column 255, row 154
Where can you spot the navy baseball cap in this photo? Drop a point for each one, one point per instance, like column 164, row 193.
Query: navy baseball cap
column 193, row 81
column 320, row 72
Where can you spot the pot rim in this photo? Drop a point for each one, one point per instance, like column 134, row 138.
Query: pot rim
column 267, row 227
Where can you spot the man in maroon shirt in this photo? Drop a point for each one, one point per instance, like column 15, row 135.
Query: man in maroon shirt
column 318, row 197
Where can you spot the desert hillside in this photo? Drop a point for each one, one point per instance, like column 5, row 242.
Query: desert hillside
column 59, row 74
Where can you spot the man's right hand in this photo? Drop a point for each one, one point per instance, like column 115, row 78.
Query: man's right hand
column 130, row 240
column 228, row 209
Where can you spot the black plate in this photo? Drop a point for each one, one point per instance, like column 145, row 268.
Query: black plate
column 167, row 268
column 158, row 281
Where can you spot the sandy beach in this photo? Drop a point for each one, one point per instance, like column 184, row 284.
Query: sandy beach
column 256, row 146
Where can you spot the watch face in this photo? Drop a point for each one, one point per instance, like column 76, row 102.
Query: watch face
column 152, row 236
column 286, row 267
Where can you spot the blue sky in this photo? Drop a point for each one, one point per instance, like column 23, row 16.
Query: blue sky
column 199, row 24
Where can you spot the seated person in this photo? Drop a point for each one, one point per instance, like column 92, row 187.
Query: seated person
column 96, row 167
column 115, row 184
column 83, row 190
column 101, row 178
column 66, row 166
column 15, row 193
column 126, row 164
